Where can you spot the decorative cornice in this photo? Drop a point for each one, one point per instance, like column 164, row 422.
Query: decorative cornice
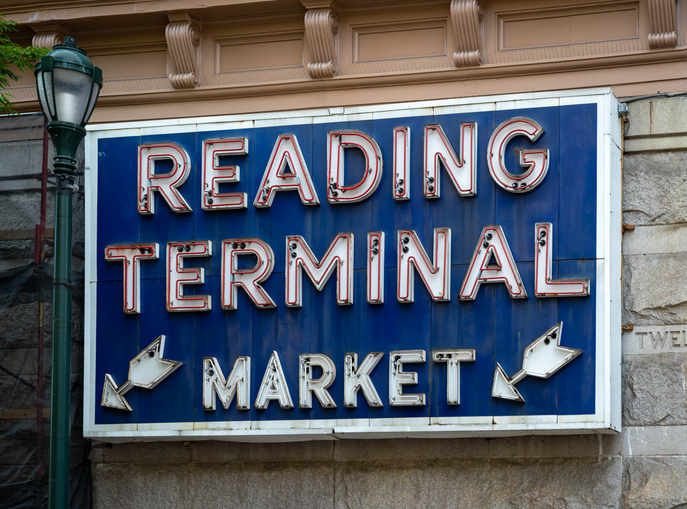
column 47, row 36
column 321, row 27
column 555, row 72
column 663, row 15
column 136, row 98
column 183, row 37
column 466, row 16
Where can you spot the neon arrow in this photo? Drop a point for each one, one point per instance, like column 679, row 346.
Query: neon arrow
column 542, row 358
column 146, row 370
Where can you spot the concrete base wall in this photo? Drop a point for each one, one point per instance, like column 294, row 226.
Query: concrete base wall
column 644, row 467
column 510, row 472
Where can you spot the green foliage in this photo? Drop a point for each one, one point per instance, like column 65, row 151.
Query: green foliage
column 13, row 56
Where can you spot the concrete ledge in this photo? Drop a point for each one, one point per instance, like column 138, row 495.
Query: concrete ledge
column 465, row 448
column 657, row 124
column 653, row 339
column 655, row 441
column 211, row 452
column 553, row 446
column 657, row 115
column 656, row 239
column 655, row 143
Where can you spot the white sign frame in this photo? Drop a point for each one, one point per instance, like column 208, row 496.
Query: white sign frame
column 607, row 417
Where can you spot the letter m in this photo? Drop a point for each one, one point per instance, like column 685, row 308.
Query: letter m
column 338, row 257
column 237, row 384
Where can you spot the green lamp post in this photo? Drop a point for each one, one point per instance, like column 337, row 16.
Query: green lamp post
column 68, row 88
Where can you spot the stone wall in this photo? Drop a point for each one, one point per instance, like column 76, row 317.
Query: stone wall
column 655, row 302
column 644, row 467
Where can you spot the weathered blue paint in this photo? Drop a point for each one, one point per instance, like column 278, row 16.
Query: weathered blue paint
column 496, row 326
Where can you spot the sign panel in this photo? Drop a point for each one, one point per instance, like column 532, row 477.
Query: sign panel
column 441, row 268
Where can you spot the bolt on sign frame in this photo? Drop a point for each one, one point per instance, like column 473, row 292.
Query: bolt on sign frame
column 475, row 245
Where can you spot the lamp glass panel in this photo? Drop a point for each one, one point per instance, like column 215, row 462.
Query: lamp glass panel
column 41, row 92
column 72, row 89
column 45, row 86
column 91, row 103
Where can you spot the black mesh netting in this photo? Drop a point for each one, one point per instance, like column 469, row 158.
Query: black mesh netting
column 26, row 251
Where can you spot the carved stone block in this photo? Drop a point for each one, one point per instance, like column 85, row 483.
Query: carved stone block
column 663, row 14
column 466, row 18
column 321, row 28
column 47, row 36
column 183, row 37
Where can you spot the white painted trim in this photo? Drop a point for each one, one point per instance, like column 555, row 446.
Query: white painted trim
column 90, row 275
column 394, row 110
column 328, row 429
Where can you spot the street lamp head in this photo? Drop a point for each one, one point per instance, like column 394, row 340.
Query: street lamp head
column 68, row 88
column 68, row 84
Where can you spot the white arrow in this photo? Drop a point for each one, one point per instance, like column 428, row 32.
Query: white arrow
column 146, row 370
column 542, row 358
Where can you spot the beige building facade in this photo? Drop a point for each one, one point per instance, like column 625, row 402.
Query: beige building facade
column 166, row 59
column 174, row 59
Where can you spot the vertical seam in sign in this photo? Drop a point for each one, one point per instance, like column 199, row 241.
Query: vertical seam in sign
column 557, row 245
column 435, row 256
column 208, row 281
column 494, row 193
column 558, row 209
column 136, row 411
